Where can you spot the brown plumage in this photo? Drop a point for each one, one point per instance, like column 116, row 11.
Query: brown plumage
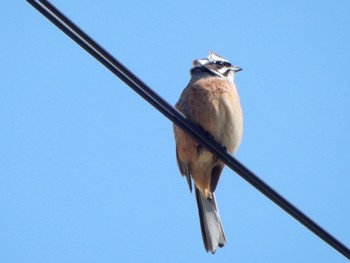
column 211, row 101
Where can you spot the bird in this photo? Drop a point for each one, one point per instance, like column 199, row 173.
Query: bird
column 210, row 101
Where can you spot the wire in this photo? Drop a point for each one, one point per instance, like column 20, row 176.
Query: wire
column 86, row 42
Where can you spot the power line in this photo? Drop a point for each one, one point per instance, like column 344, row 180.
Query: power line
column 91, row 46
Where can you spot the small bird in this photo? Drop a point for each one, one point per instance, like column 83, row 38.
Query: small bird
column 210, row 101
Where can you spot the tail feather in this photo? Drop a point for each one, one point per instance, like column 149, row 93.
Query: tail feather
column 211, row 227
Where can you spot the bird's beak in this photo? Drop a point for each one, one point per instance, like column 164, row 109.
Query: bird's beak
column 236, row 69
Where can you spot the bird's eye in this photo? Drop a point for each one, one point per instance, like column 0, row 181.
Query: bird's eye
column 223, row 63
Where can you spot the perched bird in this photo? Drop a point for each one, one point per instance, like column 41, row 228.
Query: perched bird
column 211, row 101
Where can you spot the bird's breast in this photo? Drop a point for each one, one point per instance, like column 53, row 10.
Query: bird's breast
column 217, row 109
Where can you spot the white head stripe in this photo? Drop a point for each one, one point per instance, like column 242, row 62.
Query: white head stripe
column 214, row 57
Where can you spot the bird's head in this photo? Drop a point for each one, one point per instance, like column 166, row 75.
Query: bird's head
column 216, row 65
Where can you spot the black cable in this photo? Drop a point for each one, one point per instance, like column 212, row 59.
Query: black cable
column 86, row 42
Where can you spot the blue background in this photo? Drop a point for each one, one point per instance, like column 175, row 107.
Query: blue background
column 88, row 170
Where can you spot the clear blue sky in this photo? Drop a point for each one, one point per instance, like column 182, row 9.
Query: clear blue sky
column 88, row 170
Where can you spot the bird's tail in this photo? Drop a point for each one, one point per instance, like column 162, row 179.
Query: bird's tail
column 212, row 231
